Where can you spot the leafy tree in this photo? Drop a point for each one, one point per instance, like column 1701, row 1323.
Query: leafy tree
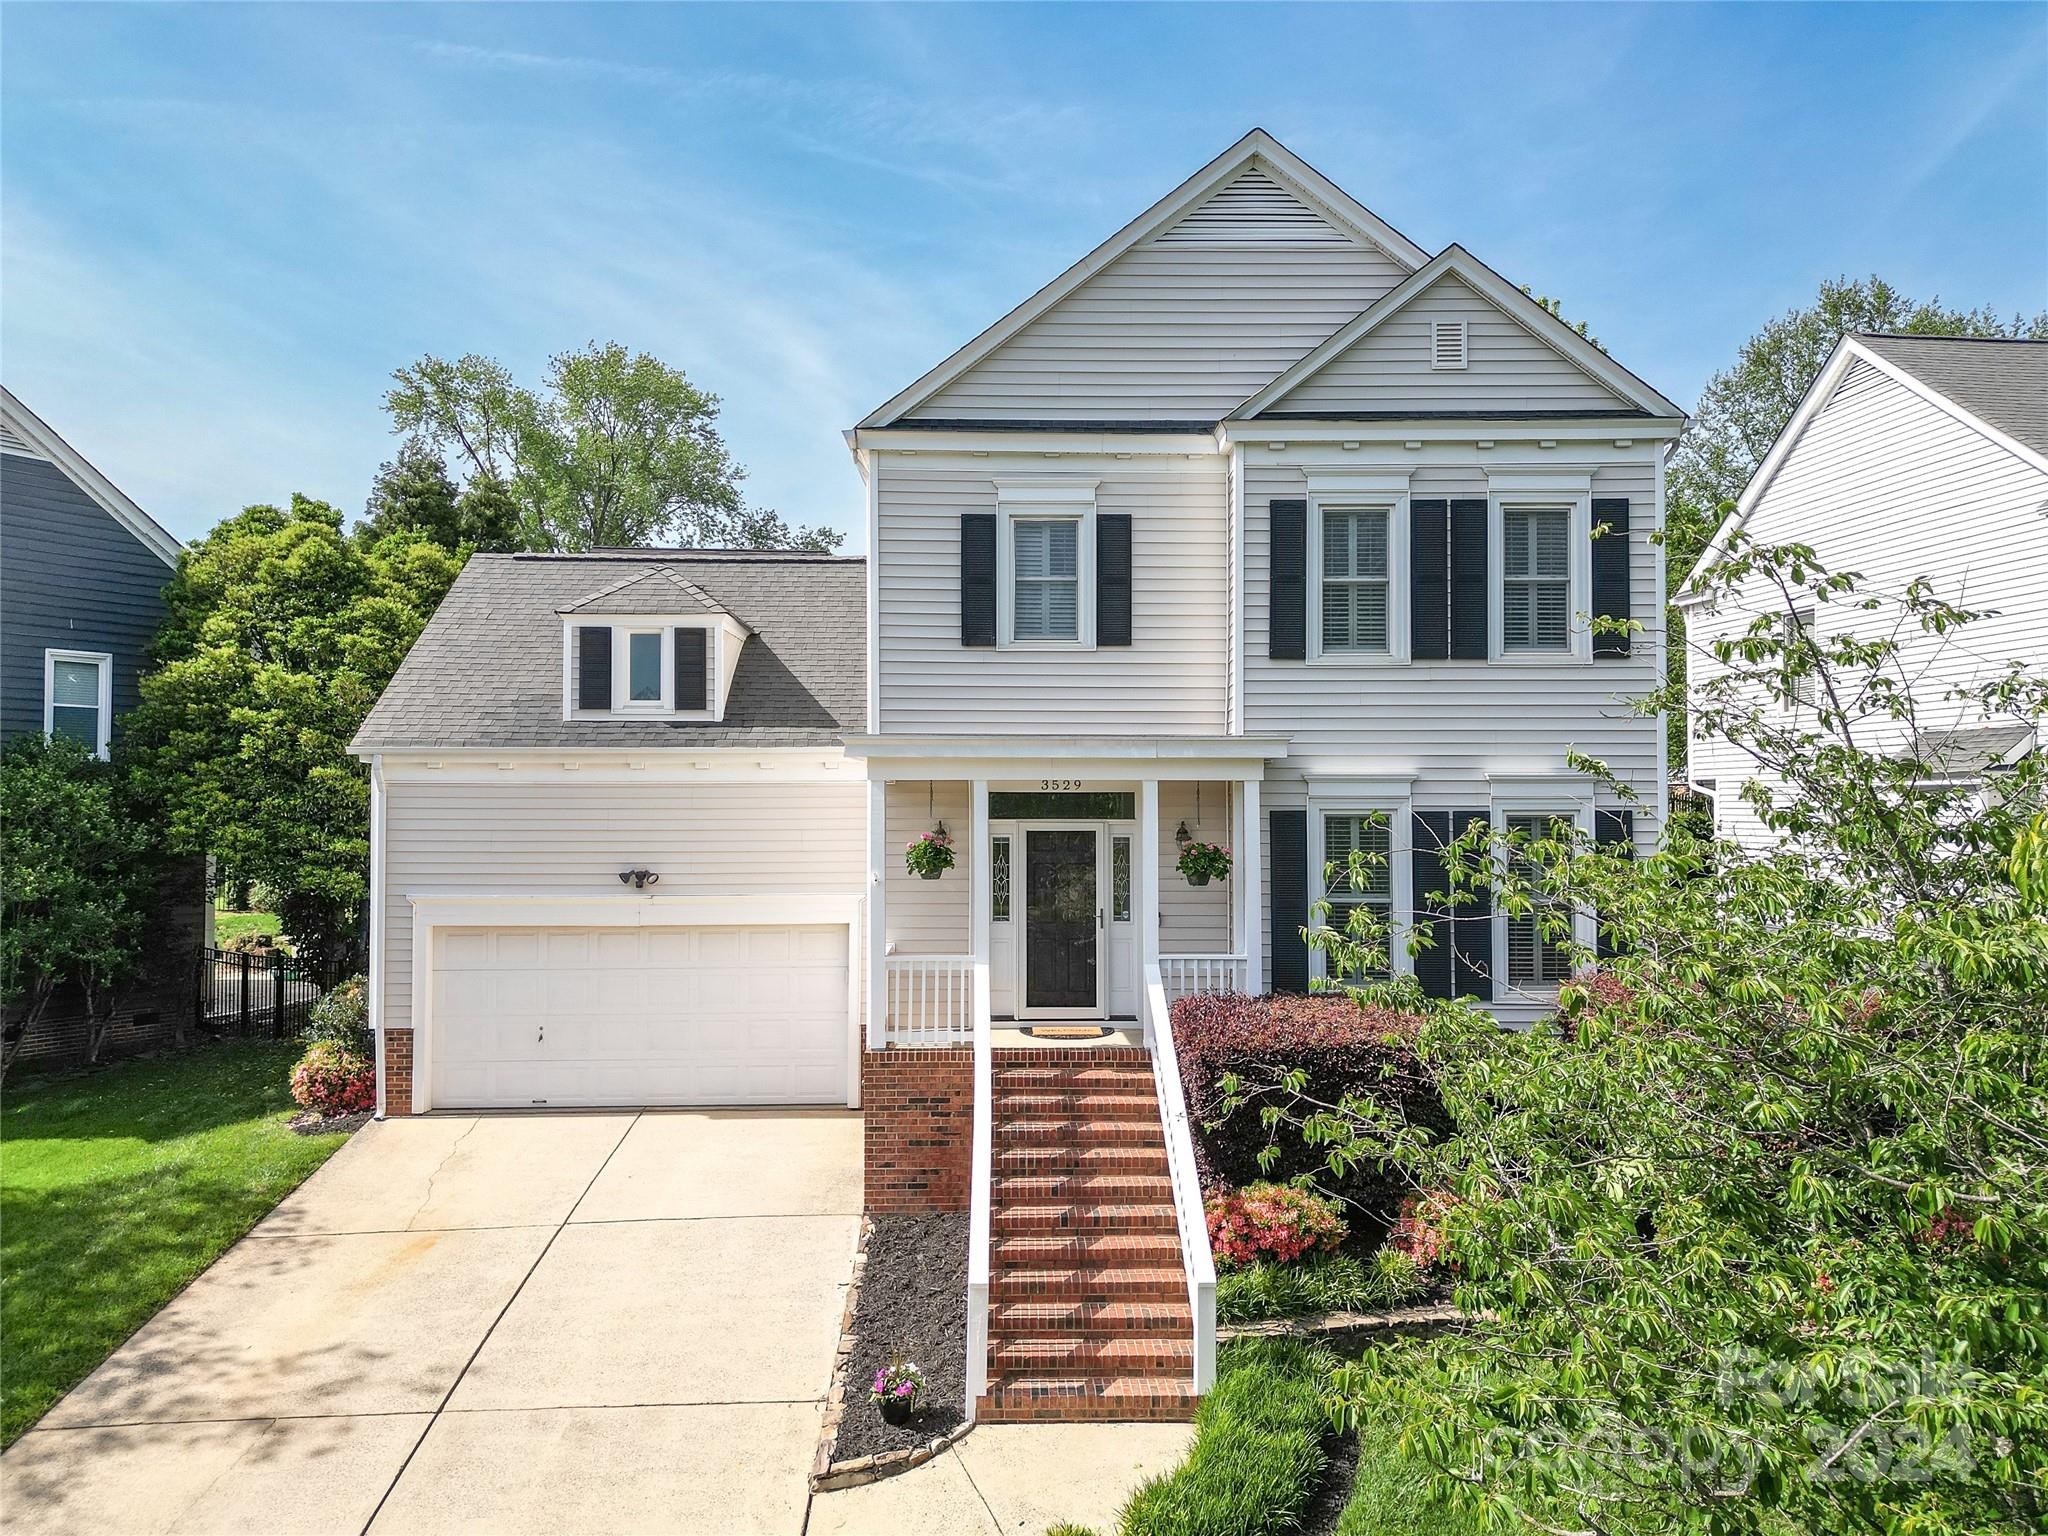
column 1754, row 1235
column 488, row 516
column 281, row 632
column 80, row 870
column 415, row 490
column 618, row 450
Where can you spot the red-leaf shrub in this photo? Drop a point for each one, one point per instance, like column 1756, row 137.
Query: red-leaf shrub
column 1419, row 1233
column 1343, row 1050
column 331, row 1081
column 1272, row 1221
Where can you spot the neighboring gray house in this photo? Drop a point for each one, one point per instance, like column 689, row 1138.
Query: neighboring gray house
column 82, row 572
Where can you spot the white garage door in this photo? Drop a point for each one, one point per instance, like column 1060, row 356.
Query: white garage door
column 625, row 1016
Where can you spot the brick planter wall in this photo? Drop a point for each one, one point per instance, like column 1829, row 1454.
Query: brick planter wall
column 397, row 1072
column 919, row 1112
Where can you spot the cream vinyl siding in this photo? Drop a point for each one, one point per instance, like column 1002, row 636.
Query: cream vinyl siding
column 1894, row 487
column 547, row 836
column 927, row 917
column 1170, row 680
column 1509, row 367
column 1171, row 331
column 1193, row 920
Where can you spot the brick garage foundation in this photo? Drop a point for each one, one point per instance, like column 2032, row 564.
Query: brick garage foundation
column 397, row 1072
column 919, row 1111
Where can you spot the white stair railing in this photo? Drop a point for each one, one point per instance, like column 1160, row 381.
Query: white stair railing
column 1197, row 1262
column 978, row 1202
column 1188, row 975
column 930, row 998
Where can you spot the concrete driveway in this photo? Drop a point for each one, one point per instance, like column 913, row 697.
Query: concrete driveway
column 511, row 1323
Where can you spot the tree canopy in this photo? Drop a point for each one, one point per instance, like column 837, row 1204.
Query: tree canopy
column 617, row 449
column 416, row 491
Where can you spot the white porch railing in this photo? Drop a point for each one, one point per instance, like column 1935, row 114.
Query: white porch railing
column 1196, row 1260
column 930, row 999
column 982, row 1192
column 1187, row 975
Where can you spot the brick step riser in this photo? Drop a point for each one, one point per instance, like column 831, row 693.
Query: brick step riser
column 1012, row 1107
column 1078, row 1058
column 1018, row 1358
column 1080, row 1133
column 1028, row 1285
column 1008, row 1404
column 1145, row 1250
column 1089, row 1319
column 1047, row 1161
column 1023, row 1080
column 1080, row 1189
column 1097, row 1221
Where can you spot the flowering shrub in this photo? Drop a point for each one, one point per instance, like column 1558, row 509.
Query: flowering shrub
column 929, row 853
column 1419, row 1232
column 898, row 1382
column 343, row 1017
column 1272, row 1221
column 1205, row 861
column 332, row 1081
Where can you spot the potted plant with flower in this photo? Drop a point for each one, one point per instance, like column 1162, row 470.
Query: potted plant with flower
column 929, row 854
column 1201, row 862
column 898, row 1389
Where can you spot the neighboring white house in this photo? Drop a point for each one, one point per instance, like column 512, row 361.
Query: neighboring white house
column 1909, row 457
column 1260, row 525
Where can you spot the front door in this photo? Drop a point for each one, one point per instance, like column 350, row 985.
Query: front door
column 1062, row 921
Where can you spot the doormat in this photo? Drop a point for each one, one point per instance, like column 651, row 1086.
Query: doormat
column 1068, row 1031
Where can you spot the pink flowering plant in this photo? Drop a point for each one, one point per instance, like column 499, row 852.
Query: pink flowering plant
column 898, row 1384
column 929, row 854
column 1418, row 1234
column 332, row 1080
column 1282, row 1222
column 1202, row 862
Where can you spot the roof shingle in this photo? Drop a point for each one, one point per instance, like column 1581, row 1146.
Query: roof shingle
column 2002, row 383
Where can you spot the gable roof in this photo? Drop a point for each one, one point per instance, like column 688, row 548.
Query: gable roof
column 1997, row 378
column 1257, row 150
column 2003, row 383
column 1503, row 295
column 39, row 440
column 665, row 589
column 487, row 670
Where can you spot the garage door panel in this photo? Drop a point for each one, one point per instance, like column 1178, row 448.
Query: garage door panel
column 639, row 1016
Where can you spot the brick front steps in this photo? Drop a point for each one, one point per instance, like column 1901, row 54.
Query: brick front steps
column 1088, row 1313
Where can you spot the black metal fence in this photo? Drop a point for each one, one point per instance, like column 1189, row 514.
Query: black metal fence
column 261, row 996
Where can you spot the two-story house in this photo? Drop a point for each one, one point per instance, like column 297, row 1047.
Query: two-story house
column 1260, row 525
column 82, row 573
column 1909, row 458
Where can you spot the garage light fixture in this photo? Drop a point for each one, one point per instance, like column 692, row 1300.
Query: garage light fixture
column 639, row 879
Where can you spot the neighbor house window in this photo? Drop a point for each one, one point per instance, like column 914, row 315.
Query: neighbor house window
column 1046, row 588
column 1800, row 684
column 1536, row 578
column 78, row 697
column 1355, row 578
column 643, row 667
column 1538, row 952
column 1369, row 835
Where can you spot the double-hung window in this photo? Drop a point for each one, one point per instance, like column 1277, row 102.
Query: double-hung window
column 1538, row 949
column 1356, row 579
column 78, row 697
column 1536, row 578
column 1799, row 678
column 643, row 666
column 1046, row 578
column 1372, row 886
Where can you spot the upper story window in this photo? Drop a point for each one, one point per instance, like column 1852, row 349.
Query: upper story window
column 78, row 697
column 1536, row 578
column 1356, row 577
column 1046, row 567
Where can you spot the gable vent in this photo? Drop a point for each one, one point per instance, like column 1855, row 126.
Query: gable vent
column 1447, row 344
column 1254, row 210
column 12, row 442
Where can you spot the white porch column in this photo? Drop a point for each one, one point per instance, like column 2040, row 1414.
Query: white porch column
column 980, row 876
column 1251, row 892
column 1148, row 875
column 878, row 916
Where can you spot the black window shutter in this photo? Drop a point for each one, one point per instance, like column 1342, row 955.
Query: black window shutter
column 1472, row 930
column 593, row 666
column 1112, row 578
column 1287, row 622
column 1287, row 848
column 1610, row 571
column 1432, row 830
column 977, row 578
column 1429, row 580
column 692, row 686
column 1468, row 578
column 1611, row 830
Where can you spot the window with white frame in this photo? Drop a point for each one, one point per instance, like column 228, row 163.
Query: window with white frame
column 78, row 697
column 1799, row 676
column 1536, row 578
column 643, row 662
column 1045, row 564
column 1538, row 951
column 1357, row 578
column 1370, row 885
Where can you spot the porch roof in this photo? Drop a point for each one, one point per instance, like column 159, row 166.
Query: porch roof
column 1138, row 757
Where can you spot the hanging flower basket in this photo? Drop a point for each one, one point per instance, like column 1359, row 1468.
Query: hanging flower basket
column 898, row 1389
column 1203, row 862
column 929, row 855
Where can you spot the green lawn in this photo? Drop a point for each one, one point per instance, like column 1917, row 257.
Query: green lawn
column 117, row 1186
column 229, row 924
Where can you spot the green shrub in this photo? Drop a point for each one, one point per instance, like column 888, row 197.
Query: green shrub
column 1258, row 1454
column 1327, row 1282
column 342, row 1017
column 331, row 1081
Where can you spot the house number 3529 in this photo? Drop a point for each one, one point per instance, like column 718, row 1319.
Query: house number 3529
column 1059, row 783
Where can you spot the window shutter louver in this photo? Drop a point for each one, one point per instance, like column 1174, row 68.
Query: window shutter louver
column 1112, row 578
column 1468, row 578
column 1287, row 847
column 978, row 578
column 1432, row 830
column 594, row 666
column 1613, row 829
column 1610, row 571
column 1429, row 580
column 1472, row 930
column 1287, row 618
column 693, row 688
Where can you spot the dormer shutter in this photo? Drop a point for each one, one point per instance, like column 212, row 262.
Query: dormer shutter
column 1113, row 578
column 593, row 666
column 691, row 666
column 977, row 578
column 1610, row 572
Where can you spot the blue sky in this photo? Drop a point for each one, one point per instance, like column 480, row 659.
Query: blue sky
column 222, row 227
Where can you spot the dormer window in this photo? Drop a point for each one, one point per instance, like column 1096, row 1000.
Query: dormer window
column 644, row 682
column 653, row 644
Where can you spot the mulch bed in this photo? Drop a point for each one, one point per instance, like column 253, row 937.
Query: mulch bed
column 913, row 1306
column 306, row 1123
column 1327, row 1507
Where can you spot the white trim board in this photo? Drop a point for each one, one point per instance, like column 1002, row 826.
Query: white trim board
column 43, row 439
